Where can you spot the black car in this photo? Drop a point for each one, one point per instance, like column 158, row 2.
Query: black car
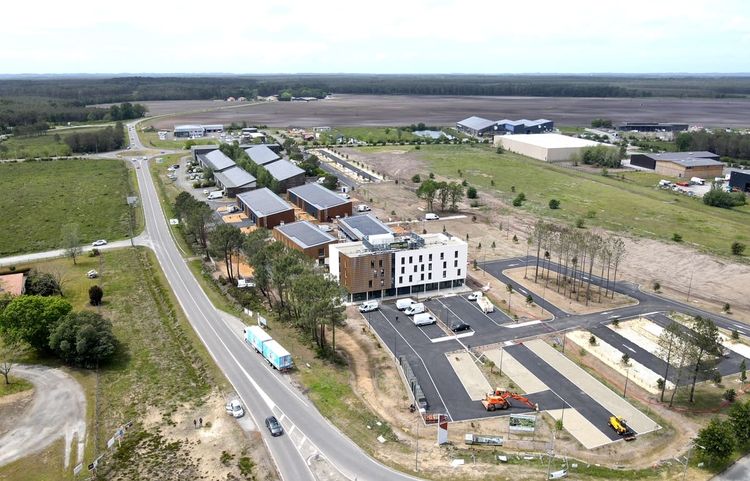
column 274, row 426
column 458, row 326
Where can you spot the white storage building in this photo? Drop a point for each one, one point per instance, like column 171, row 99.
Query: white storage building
column 546, row 147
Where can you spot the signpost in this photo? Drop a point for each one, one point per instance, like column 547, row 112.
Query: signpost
column 442, row 431
column 522, row 423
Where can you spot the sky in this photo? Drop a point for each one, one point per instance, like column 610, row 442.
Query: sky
column 385, row 36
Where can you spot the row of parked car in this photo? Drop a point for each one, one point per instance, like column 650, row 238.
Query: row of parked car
column 417, row 311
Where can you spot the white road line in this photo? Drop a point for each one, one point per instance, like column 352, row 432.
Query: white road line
column 605, row 313
column 522, row 324
column 452, row 338
column 628, row 348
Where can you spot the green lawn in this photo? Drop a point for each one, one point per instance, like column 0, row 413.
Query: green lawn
column 52, row 144
column 633, row 205
column 39, row 197
column 16, row 384
column 371, row 134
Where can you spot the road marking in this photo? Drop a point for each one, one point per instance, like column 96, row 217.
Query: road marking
column 452, row 338
column 521, row 324
column 629, row 348
column 605, row 313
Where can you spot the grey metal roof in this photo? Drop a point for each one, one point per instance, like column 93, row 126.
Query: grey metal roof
column 476, row 123
column 358, row 226
column 234, row 177
column 264, row 202
column 283, row 169
column 693, row 162
column 318, row 196
column 683, row 155
column 217, row 160
column 305, row 234
column 262, row 155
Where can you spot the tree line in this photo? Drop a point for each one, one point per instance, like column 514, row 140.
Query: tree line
column 600, row 156
column 726, row 144
column 579, row 255
column 100, row 140
column 447, row 194
column 290, row 284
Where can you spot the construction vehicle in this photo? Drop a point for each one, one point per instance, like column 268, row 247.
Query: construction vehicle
column 500, row 399
column 622, row 428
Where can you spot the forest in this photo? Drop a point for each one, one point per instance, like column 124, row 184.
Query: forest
column 727, row 144
column 32, row 115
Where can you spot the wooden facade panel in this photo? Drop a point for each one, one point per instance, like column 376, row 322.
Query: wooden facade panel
column 365, row 273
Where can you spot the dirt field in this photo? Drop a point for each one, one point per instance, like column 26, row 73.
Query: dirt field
column 374, row 110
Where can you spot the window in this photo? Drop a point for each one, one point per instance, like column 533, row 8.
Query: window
column 442, row 256
column 403, row 270
column 369, row 284
column 429, row 267
column 445, row 264
column 429, row 276
column 429, row 258
column 421, row 268
column 456, row 254
column 321, row 253
column 445, row 274
column 415, row 268
column 455, row 263
column 420, row 258
column 400, row 279
column 403, row 260
column 411, row 260
column 382, row 272
column 459, row 272
column 421, row 278
column 409, row 279
column 380, row 263
column 372, row 264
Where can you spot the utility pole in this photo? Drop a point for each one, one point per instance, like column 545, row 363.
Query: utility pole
column 501, row 360
column 690, row 284
column 416, row 453
column 627, row 377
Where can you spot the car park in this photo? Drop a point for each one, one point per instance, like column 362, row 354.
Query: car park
column 274, row 426
column 234, row 408
column 98, row 243
column 368, row 306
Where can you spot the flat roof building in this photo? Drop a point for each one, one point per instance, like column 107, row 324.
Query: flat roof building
column 476, row 126
column 262, row 155
column 234, row 180
column 265, row 208
column 189, row 131
column 216, row 161
column 523, row 126
column 305, row 237
column 740, row 180
column 701, row 164
column 648, row 160
column 321, row 203
column 546, row 147
column 388, row 265
column 652, row 127
column 286, row 174
column 357, row 227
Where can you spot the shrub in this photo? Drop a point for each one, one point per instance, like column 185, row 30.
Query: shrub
column 735, row 335
column 474, row 203
column 727, row 307
column 592, row 340
column 625, row 359
column 554, row 204
column 42, row 284
column 677, row 237
column 580, row 223
column 738, row 248
column 730, row 395
column 464, row 182
column 432, row 176
column 515, row 238
column 471, row 192
column 718, row 197
column 517, row 202
column 95, row 295
column 657, row 286
column 83, row 339
column 416, row 179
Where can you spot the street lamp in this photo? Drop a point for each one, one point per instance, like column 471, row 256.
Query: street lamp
column 627, row 377
column 687, row 459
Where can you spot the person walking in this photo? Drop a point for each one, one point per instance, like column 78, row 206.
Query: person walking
column 200, row 420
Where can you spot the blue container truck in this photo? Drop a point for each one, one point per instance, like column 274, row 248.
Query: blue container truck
column 256, row 337
column 276, row 355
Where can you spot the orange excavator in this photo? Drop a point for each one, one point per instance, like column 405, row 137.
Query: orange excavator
column 500, row 399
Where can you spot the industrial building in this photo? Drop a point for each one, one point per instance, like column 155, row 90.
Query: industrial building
column 703, row 164
column 388, row 265
column 476, row 126
column 191, row 131
column 740, row 180
column 216, row 161
column 262, row 155
column 305, row 237
column 286, row 174
column 357, row 227
column 546, row 147
column 320, row 202
column 265, row 208
column 523, row 126
column 234, row 180
column 652, row 127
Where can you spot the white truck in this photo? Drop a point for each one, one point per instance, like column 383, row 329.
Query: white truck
column 697, row 181
column 485, row 305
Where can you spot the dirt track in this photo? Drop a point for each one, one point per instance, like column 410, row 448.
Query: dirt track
column 363, row 110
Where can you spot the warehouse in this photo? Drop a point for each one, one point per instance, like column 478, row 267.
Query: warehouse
column 265, row 208
column 216, row 161
column 306, row 238
column 524, row 126
column 690, row 167
column 648, row 161
column 286, row 174
column 740, row 180
column 261, row 155
column 476, row 126
column 652, row 127
column 320, row 202
column 234, row 180
column 183, row 131
column 546, row 147
column 357, row 227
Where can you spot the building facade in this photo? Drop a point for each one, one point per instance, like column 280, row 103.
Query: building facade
column 740, row 180
column 399, row 265
column 305, row 237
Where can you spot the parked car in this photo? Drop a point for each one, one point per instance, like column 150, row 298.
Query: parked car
column 402, row 304
column 431, row 216
column 274, row 426
column 100, row 242
column 345, row 195
column 363, row 208
column 92, row 274
column 458, row 326
column 474, row 296
column 368, row 306
column 424, row 319
column 235, row 409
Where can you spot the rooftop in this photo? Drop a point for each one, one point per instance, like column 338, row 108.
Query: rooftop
column 261, row 155
column 477, row 123
column 188, row 127
column 283, row 169
column 217, row 160
column 12, row 284
column 693, row 162
column 234, row 177
column 682, row 155
column 305, row 234
column 552, row 141
column 317, row 195
column 358, row 226
column 264, row 202
column 390, row 242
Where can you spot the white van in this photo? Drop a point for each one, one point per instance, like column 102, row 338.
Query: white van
column 697, row 181
column 368, row 306
column 217, row 194
column 363, row 208
column 423, row 319
column 402, row 304
column 416, row 308
column 431, row 216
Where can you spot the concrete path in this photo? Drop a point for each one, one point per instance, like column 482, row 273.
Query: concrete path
column 581, row 429
column 468, row 372
column 598, row 391
column 58, row 411
column 517, row 372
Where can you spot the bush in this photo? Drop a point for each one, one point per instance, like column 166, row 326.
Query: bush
column 471, row 192
column 517, row 202
column 474, row 203
column 95, row 295
column 592, row 340
column 677, row 237
column 738, row 248
column 730, row 395
column 554, row 204
column 464, row 182
column 42, row 284
column 657, row 286
column 718, row 197
column 580, row 223
column 83, row 339
column 416, row 178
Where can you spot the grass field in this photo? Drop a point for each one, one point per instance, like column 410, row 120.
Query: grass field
column 633, row 205
column 50, row 145
column 371, row 134
column 39, row 197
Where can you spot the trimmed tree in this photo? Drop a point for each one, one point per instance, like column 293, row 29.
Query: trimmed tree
column 95, row 295
column 83, row 339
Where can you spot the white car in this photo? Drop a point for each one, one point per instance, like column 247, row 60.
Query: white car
column 474, row 296
column 100, row 242
column 92, row 274
column 235, row 409
column 345, row 195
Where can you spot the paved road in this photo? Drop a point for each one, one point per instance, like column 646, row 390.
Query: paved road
column 261, row 389
column 57, row 411
column 39, row 256
column 739, row 471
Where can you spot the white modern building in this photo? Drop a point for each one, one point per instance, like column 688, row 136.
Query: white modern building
column 386, row 265
column 546, row 147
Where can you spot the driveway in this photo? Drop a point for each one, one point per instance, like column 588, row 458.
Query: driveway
column 58, row 411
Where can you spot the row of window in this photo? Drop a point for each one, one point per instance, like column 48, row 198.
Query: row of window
column 421, row 277
column 429, row 258
column 429, row 267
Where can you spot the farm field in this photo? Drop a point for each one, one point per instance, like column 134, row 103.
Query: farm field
column 42, row 196
column 632, row 205
column 385, row 110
